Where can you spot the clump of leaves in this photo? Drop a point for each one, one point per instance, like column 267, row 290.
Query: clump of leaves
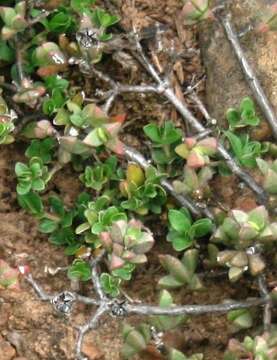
column 126, row 242
column 257, row 348
column 195, row 11
column 95, row 23
column 137, row 339
column 49, row 59
column 6, row 123
column 31, row 177
column 244, row 116
column 241, row 231
column 269, row 170
column 58, row 223
column 181, row 272
column 197, row 153
column 79, row 270
column 143, row 190
column 14, row 20
column 164, row 139
column 110, row 284
column 101, row 129
column 183, row 232
column 240, row 319
column 98, row 216
column 163, row 322
column 99, row 175
column 195, row 183
column 246, row 151
column 43, row 149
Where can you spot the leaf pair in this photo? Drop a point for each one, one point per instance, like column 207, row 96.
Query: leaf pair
column 244, row 116
column 183, row 232
column 181, row 272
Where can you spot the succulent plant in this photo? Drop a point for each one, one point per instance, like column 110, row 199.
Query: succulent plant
column 50, row 59
column 14, row 20
column 244, row 116
column 163, row 322
column 126, row 242
column 143, row 190
column 269, row 170
column 6, row 128
column 99, row 217
column 101, row 174
column 181, row 272
column 6, row 123
column 262, row 347
column 183, row 232
column 101, row 129
column 30, row 94
column 195, row 184
column 31, row 177
column 197, row 153
column 136, row 339
column 240, row 319
column 243, row 231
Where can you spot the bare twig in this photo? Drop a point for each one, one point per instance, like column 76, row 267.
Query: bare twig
column 249, row 74
column 63, row 302
column 268, row 302
column 167, row 91
column 185, row 201
column 142, row 309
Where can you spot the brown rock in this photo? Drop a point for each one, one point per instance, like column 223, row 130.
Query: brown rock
column 7, row 352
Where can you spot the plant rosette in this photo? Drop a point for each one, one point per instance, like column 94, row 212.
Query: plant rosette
column 243, row 232
column 126, row 242
column 31, row 177
column 197, row 153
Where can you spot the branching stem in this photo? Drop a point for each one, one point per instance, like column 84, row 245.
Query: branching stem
column 249, row 74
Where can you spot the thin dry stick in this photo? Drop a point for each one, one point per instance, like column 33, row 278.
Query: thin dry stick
column 168, row 92
column 268, row 302
column 185, row 201
column 119, row 309
column 249, row 74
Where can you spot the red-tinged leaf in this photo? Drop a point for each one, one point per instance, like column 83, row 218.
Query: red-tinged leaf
column 190, row 142
column 195, row 160
column 51, row 69
column 116, row 262
column 119, row 118
column 113, row 128
column 116, row 146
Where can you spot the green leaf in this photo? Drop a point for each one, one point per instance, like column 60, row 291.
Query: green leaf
column 179, row 241
column 247, row 104
column 176, row 355
column 81, row 5
column 47, row 226
column 233, row 117
column 235, row 142
column 7, row 54
column 31, row 202
column 179, row 221
column 60, row 22
column 201, row 228
column 80, row 270
column 110, row 284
